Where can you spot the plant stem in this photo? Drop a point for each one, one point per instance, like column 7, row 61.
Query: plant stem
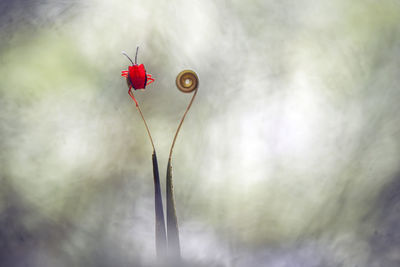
column 161, row 240
column 147, row 128
column 160, row 233
column 174, row 251
column 180, row 124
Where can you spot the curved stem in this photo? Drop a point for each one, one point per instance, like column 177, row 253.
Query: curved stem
column 141, row 114
column 180, row 124
column 147, row 128
column 172, row 222
column 160, row 233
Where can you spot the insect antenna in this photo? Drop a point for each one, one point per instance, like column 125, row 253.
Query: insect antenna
column 137, row 49
column 125, row 54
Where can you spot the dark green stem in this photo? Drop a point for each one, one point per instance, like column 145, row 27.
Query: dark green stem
column 161, row 240
column 174, row 250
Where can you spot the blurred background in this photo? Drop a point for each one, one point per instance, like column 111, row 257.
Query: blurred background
column 288, row 157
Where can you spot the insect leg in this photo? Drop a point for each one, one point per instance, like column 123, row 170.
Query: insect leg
column 132, row 96
column 149, row 79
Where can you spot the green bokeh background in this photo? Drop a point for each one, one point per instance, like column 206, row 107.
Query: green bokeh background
column 288, row 157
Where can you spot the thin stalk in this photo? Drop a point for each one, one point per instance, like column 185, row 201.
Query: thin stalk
column 145, row 124
column 172, row 221
column 180, row 124
column 161, row 238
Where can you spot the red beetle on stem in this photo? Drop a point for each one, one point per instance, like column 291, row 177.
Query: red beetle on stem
column 136, row 76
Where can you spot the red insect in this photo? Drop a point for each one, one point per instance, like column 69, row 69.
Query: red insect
column 136, row 76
